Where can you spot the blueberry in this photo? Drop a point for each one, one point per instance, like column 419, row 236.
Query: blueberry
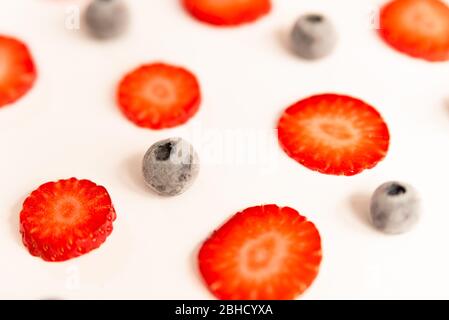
column 313, row 36
column 106, row 19
column 170, row 166
column 395, row 207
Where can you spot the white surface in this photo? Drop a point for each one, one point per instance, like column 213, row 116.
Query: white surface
column 69, row 126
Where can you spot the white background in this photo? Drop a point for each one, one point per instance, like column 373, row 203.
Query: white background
column 69, row 126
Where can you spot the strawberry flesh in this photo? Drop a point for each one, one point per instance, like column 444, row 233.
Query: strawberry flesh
column 419, row 28
column 227, row 12
column 159, row 96
column 17, row 70
column 262, row 253
column 66, row 219
column 334, row 134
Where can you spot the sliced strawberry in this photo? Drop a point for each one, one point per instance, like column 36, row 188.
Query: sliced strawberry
column 261, row 253
column 66, row 219
column 334, row 134
column 159, row 96
column 419, row 28
column 17, row 70
column 227, row 12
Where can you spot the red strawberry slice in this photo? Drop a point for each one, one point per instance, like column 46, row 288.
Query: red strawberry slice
column 17, row 70
column 261, row 253
column 66, row 219
column 227, row 12
column 419, row 28
column 159, row 96
column 334, row 134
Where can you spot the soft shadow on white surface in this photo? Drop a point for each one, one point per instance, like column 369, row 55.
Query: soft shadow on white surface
column 196, row 270
column 282, row 37
column 14, row 222
column 115, row 253
column 360, row 206
column 446, row 103
column 131, row 171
